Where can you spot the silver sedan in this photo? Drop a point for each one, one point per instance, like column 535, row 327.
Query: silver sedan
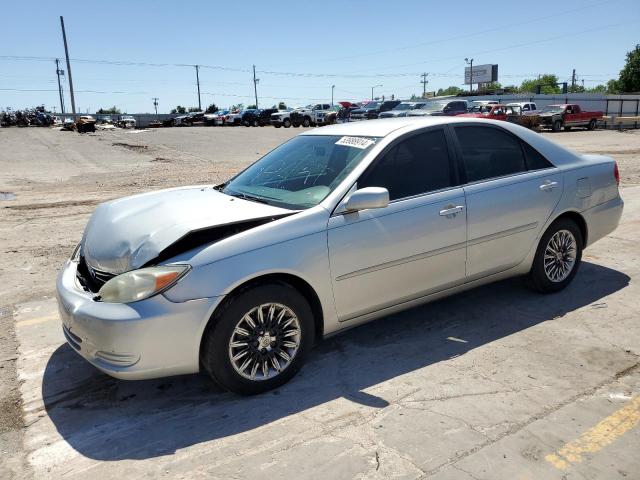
column 336, row 227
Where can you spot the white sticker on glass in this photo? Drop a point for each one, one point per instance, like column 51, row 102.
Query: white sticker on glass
column 356, row 142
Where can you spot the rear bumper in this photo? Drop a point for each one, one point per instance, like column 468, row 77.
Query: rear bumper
column 146, row 339
column 603, row 219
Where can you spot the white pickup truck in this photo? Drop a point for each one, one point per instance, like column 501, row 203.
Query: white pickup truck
column 301, row 116
column 527, row 108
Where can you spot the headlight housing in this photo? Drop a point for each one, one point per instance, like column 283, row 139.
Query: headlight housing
column 75, row 256
column 140, row 284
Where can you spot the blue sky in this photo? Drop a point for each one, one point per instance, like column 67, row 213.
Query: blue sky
column 299, row 48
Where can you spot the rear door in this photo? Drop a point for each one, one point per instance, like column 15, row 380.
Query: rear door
column 511, row 191
column 414, row 246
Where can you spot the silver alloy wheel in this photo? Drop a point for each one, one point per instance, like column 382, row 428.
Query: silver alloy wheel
column 265, row 341
column 560, row 256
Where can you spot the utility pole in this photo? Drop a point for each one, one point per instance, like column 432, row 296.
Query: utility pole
column 66, row 52
column 424, row 82
column 198, row 82
column 375, row 86
column 255, row 85
column 470, row 62
column 155, row 104
column 332, row 87
column 573, row 80
column 58, row 73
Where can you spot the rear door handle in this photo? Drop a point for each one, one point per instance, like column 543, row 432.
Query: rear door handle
column 451, row 210
column 548, row 185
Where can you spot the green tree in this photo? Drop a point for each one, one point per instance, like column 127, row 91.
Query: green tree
column 179, row 109
column 597, row 89
column 629, row 80
column 251, row 106
column 193, row 109
column 613, row 86
column 211, row 108
column 109, row 111
column 452, row 90
column 548, row 79
column 282, row 106
column 237, row 107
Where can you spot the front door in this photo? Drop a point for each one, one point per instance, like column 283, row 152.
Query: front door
column 414, row 246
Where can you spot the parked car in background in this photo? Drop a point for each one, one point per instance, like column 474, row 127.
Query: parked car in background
column 492, row 112
column 257, row 117
column 476, row 105
column 215, row 119
column 233, row 118
column 373, row 109
column 327, row 117
column 306, row 116
column 440, row 107
column 568, row 115
column 127, row 121
column 402, row 109
column 334, row 228
column 281, row 118
column 527, row 108
column 85, row 124
column 194, row 118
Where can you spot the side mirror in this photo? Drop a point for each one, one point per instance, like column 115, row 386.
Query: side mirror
column 369, row 197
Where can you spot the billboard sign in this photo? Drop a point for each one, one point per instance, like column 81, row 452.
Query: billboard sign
column 481, row 74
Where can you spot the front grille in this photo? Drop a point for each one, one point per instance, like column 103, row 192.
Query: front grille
column 90, row 278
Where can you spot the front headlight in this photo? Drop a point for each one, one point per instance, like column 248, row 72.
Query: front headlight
column 140, row 284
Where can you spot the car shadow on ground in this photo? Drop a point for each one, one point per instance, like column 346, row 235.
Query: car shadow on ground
column 107, row 419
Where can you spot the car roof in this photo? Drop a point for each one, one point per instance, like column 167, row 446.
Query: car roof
column 382, row 126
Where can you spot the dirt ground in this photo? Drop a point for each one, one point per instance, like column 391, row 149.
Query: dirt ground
column 415, row 420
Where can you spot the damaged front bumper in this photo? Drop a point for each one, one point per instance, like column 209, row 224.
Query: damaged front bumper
column 146, row 339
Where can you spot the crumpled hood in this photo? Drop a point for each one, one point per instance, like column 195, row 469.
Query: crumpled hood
column 127, row 233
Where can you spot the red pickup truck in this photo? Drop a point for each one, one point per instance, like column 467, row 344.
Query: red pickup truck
column 568, row 115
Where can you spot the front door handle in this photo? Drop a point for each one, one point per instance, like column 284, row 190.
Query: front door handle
column 451, row 210
column 548, row 185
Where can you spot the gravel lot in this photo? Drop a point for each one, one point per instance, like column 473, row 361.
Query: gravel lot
column 487, row 384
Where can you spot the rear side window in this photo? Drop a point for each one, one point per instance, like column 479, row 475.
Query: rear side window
column 535, row 161
column 489, row 152
column 414, row 166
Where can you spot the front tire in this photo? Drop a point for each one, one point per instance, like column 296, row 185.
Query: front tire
column 557, row 126
column 557, row 258
column 306, row 122
column 259, row 338
column 286, row 123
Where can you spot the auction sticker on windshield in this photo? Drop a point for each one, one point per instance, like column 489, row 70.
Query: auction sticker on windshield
column 356, row 142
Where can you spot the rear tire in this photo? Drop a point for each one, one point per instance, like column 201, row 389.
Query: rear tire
column 306, row 122
column 277, row 126
column 255, row 123
column 271, row 336
column 557, row 258
column 592, row 124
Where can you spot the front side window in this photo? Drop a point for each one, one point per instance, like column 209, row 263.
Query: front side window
column 489, row 152
column 414, row 166
column 300, row 173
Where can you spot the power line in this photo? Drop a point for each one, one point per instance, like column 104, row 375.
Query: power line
column 459, row 37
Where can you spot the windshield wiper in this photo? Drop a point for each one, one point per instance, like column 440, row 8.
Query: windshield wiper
column 251, row 198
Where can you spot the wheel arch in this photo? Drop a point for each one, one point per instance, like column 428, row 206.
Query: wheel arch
column 579, row 220
column 294, row 281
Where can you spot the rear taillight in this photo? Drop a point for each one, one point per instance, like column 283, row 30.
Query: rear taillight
column 616, row 173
